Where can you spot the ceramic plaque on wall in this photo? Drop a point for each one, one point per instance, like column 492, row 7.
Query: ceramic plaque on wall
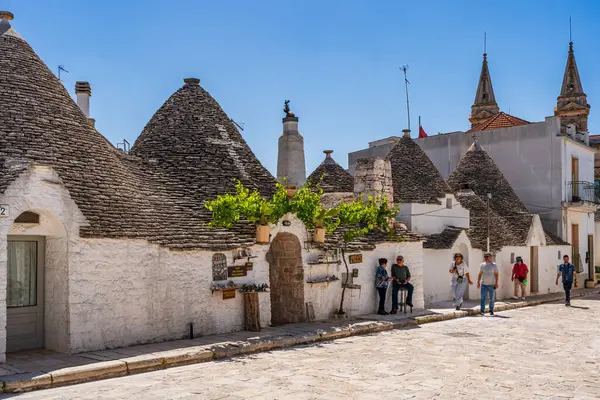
column 219, row 267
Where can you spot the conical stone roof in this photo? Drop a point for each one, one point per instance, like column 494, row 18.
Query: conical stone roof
column 191, row 139
column 414, row 177
column 510, row 221
column 331, row 176
column 121, row 196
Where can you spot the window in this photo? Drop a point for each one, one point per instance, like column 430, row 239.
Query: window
column 22, row 274
column 448, row 202
column 28, row 217
column 512, row 258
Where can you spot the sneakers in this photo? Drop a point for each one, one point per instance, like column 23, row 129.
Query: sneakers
column 481, row 313
column 523, row 298
column 410, row 305
column 382, row 312
column 394, row 311
column 457, row 308
column 491, row 313
column 568, row 304
column 515, row 298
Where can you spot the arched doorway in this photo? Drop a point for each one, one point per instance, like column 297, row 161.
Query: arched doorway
column 286, row 276
column 37, row 289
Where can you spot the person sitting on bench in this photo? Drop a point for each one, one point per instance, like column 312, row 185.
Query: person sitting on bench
column 401, row 277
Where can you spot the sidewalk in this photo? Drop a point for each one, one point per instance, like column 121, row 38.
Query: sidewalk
column 41, row 369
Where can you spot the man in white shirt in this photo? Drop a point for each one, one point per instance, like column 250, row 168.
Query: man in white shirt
column 488, row 282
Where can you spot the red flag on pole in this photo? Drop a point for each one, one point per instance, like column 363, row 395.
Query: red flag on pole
column 422, row 133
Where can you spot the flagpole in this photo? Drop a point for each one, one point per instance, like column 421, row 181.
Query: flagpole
column 420, row 123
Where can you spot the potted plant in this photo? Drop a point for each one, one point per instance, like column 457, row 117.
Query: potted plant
column 322, row 218
column 228, row 209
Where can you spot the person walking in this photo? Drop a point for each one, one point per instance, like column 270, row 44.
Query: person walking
column 569, row 275
column 460, row 279
column 381, row 283
column 401, row 277
column 518, row 277
column 487, row 280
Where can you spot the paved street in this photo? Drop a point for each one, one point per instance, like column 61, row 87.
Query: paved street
column 545, row 352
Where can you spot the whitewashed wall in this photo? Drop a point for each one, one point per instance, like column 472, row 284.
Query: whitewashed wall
column 433, row 218
column 107, row 293
column 587, row 226
column 438, row 281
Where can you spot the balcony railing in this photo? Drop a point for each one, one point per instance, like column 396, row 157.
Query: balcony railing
column 583, row 192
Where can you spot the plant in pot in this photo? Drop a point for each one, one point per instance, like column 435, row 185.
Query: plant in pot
column 324, row 220
column 227, row 209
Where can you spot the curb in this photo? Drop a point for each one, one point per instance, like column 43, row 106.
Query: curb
column 193, row 355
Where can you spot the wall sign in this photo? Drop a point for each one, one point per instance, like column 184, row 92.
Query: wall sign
column 219, row 267
column 355, row 258
column 3, row 210
column 355, row 273
column 237, row 271
column 249, row 266
column 228, row 294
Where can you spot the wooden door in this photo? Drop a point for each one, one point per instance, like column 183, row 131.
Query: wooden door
column 533, row 270
column 590, row 256
column 575, row 179
column 25, row 293
column 575, row 259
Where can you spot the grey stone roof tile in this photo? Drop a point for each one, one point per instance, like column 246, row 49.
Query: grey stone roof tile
column 510, row 221
column 332, row 177
column 414, row 177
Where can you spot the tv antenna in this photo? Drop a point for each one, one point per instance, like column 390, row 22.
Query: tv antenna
column 61, row 68
column 240, row 126
column 404, row 68
column 125, row 146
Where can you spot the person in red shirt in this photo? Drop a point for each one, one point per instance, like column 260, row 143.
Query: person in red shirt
column 519, row 275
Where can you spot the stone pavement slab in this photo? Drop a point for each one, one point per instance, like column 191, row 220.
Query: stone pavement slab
column 33, row 370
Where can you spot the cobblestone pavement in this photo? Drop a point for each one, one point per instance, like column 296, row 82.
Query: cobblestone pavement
column 546, row 352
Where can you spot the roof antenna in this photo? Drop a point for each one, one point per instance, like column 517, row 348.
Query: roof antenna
column 484, row 43
column 570, row 36
column 241, row 127
column 126, row 146
column 406, row 82
column 61, row 68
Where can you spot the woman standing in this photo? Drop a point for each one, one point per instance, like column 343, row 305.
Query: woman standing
column 381, row 283
column 460, row 279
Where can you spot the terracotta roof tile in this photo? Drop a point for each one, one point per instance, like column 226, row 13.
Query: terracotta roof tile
column 498, row 121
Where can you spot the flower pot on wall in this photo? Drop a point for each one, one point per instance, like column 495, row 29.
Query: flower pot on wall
column 262, row 233
column 590, row 284
column 319, row 235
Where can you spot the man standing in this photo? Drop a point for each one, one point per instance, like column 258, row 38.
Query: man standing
column 401, row 277
column 489, row 272
column 519, row 275
column 567, row 270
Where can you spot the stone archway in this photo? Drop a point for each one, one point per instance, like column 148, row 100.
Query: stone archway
column 286, row 276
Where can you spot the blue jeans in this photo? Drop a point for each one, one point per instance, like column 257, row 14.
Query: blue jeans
column 485, row 291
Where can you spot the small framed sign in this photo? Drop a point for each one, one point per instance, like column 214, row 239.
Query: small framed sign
column 237, row 271
column 4, row 210
column 355, row 258
column 228, row 294
column 355, row 273
column 249, row 266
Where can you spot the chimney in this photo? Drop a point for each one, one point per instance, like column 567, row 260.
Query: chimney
column 6, row 16
column 373, row 177
column 290, row 159
column 406, row 132
column 83, row 92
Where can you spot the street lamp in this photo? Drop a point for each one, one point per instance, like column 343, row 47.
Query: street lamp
column 489, row 196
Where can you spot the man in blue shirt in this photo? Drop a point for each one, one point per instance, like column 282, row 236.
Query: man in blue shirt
column 569, row 274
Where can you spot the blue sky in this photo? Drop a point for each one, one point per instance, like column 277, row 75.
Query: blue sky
column 336, row 61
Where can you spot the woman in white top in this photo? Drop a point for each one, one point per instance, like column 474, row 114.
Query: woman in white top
column 460, row 279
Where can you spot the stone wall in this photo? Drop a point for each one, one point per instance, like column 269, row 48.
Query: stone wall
column 373, row 177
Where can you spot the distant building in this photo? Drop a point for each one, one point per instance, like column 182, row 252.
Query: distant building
column 550, row 164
